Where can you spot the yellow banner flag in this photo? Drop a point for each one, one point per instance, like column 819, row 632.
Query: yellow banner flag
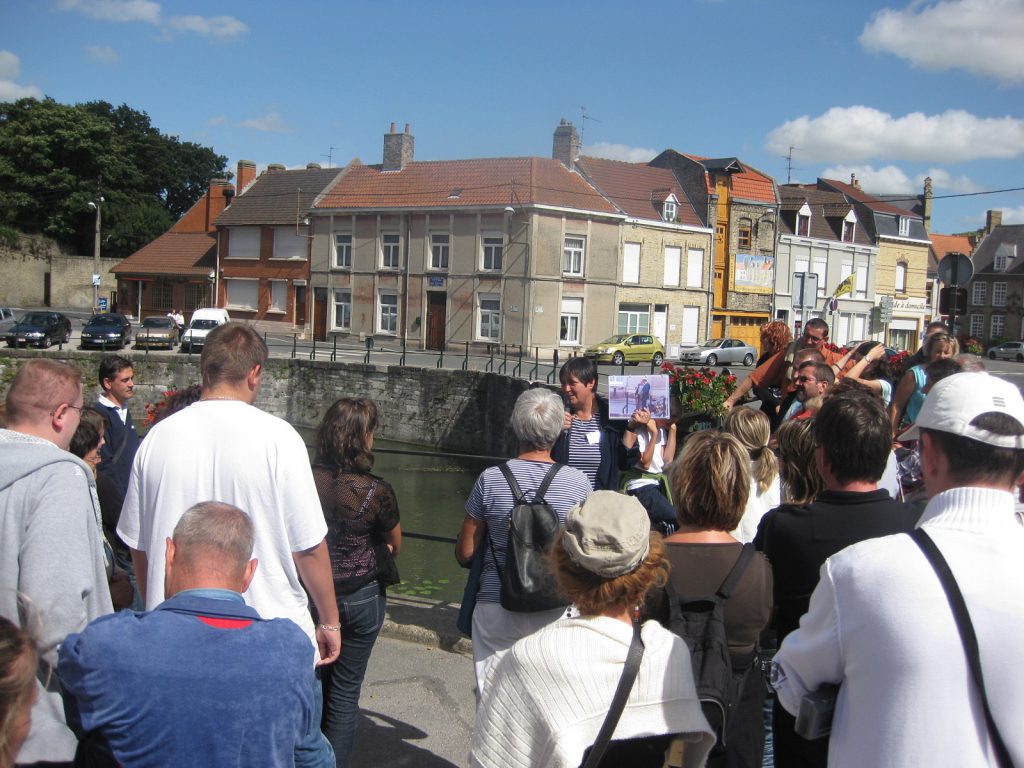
column 844, row 287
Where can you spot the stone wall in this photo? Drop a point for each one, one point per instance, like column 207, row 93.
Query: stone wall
column 25, row 266
column 461, row 411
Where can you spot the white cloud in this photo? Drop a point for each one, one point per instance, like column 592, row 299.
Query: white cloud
column 10, row 70
column 1011, row 215
column 103, row 54
column 980, row 36
column 269, row 123
column 115, row 10
column 943, row 180
column 888, row 180
column 619, row 152
column 220, row 27
column 858, row 133
column 10, row 65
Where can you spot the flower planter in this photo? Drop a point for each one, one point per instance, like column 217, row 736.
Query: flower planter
column 692, row 421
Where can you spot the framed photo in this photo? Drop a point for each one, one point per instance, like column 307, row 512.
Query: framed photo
column 630, row 393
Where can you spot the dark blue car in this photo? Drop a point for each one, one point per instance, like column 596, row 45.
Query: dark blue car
column 110, row 330
column 39, row 329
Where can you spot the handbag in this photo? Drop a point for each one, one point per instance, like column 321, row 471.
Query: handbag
column 967, row 636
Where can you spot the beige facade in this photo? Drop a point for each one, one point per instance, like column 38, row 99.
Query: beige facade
column 902, row 272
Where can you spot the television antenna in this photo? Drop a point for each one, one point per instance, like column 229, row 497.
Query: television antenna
column 583, row 123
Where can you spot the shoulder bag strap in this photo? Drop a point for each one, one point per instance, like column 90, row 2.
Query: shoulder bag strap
column 546, row 482
column 737, row 572
column 967, row 635
column 629, row 673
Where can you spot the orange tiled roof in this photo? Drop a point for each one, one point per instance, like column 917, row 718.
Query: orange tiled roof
column 943, row 244
column 463, row 184
column 173, row 253
column 637, row 188
column 751, row 185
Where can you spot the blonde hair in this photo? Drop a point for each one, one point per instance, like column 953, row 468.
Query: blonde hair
column 710, row 481
column 18, row 661
column 593, row 594
column 799, row 467
column 940, row 339
column 753, row 429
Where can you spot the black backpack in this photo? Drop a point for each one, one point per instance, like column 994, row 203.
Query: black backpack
column 527, row 585
column 700, row 622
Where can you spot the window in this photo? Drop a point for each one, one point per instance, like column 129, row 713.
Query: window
column 820, row 265
column 243, row 243
column 162, row 294
column 634, row 318
column 803, row 225
column 860, row 288
column 390, row 250
column 998, row 294
column 388, row 320
column 669, row 210
column 493, row 245
column 1000, row 262
column 979, row 295
column 901, row 277
column 569, row 323
column 343, row 250
column 278, row 296
column 904, row 226
column 342, row 310
column 574, row 248
column 695, row 268
column 288, row 245
column 849, row 231
column 197, row 295
column 631, row 263
column 439, row 243
column 489, row 309
column 242, row 294
column 977, row 325
column 998, row 325
column 745, row 236
column 673, row 257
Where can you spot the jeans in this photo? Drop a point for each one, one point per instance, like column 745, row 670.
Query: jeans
column 362, row 614
column 314, row 751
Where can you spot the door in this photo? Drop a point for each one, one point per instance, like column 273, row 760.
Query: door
column 300, row 304
column 717, row 327
column 437, row 304
column 320, row 314
column 661, row 324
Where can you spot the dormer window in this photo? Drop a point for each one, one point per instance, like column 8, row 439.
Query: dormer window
column 904, row 226
column 1000, row 263
column 803, row 221
column 670, row 208
column 849, row 228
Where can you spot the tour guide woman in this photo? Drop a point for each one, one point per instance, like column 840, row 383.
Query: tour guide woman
column 536, row 422
column 363, row 535
column 591, row 442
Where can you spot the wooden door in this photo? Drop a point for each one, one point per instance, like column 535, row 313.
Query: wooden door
column 437, row 303
column 300, row 304
column 320, row 314
column 717, row 327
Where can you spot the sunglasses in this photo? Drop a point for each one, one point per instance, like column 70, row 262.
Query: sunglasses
column 804, row 379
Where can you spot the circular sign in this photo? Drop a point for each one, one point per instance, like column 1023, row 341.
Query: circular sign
column 956, row 269
column 833, row 305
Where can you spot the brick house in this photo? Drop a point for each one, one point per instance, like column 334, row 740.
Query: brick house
column 941, row 245
column 516, row 251
column 665, row 278
column 996, row 293
column 819, row 232
column 740, row 205
column 264, row 243
column 178, row 269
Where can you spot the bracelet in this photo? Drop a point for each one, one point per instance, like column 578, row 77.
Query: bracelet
column 331, row 627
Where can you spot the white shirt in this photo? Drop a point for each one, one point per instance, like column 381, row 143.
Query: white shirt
column 121, row 410
column 643, row 438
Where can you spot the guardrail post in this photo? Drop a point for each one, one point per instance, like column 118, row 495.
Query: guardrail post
column 490, row 360
column 465, row 359
column 369, row 346
column 334, row 350
column 536, row 363
column 519, row 365
column 312, row 351
column 504, row 358
column 550, row 378
column 295, row 344
column 440, row 356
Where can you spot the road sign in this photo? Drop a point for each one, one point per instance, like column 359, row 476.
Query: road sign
column 102, row 301
column 833, row 304
column 955, row 269
column 953, row 301
column 885, row 309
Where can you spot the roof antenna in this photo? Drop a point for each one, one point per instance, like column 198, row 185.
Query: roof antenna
column 583, row 124
column 329, row 156
column 789, row 163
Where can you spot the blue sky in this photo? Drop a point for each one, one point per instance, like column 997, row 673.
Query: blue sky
column 892, row 91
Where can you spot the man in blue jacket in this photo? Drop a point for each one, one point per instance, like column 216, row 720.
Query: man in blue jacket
column 121, row 441
column 202, row 680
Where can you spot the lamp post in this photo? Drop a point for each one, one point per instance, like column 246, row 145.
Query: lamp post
column 212, row 277
column 96, row 205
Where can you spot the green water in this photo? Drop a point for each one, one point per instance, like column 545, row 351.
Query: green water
column 432, row 493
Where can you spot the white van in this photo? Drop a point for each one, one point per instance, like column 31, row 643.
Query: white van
column 203, row 321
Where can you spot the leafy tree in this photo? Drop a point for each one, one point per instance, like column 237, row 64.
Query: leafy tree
column 55, row 158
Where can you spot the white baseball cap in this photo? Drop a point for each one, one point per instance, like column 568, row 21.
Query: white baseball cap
column 955, row 401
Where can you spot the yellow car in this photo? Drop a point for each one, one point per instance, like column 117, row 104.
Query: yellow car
column 630, row 348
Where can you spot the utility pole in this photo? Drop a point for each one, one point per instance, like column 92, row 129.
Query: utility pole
column 96, row 205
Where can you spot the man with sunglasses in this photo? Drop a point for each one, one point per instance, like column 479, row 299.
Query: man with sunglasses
column 812, row 380
column 51, row 548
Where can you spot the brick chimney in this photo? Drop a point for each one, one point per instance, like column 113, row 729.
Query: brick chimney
column 566, row 144
column 201, row 216
column 245, row 176
column 398, row 149
column 853, row 181
column 993, row 219
column 927, row 199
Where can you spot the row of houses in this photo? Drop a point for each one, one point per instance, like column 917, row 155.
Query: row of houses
column 547, row 253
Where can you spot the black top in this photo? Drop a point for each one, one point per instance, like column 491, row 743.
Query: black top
column 798, row 539
column 121, row 441
column 614, row 456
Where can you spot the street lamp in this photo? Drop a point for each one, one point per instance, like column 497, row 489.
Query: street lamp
column 212, row 277
column 97, row 206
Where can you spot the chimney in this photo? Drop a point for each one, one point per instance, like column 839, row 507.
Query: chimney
column 217, row 200
column 275, row 167
column 927, row 200
column 312, row 166
column 398, row 149
column 245, row 176
column 853, row 181
column 566, row 144
column 993, row 219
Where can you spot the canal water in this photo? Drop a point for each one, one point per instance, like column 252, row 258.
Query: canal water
column 432, row 493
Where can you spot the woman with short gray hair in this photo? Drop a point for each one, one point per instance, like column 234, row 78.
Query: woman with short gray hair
column 537, row 422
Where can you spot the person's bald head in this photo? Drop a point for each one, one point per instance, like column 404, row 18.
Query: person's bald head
column 211, row 548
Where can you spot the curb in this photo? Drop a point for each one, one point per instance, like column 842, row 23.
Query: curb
column 427, row 622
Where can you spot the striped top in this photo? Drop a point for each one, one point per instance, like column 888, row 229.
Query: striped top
column 491, row 501
column 585, row 446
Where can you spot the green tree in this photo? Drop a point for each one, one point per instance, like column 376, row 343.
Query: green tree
column 55, row 158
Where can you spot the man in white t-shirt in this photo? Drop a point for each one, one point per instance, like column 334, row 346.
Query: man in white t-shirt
column 224, row 449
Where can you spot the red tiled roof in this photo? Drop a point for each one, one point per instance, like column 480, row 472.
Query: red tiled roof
column 751, row 185
column 871, row 202
column 637, row 188
column 463, row 184
column 173, row 253
column 943, row 244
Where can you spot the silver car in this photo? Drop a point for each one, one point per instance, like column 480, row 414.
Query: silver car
column 716, row 351
column 1008, row 350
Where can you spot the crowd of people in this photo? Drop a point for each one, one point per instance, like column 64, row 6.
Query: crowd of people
column 209, row 596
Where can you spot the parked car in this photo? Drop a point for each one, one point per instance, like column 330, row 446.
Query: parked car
column 1008, row 350
column 203, row 321
column 108, row 330
column 6, row 317
column 40, row 329
column 714, row 351
column 157, row 332
column 630, row 348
